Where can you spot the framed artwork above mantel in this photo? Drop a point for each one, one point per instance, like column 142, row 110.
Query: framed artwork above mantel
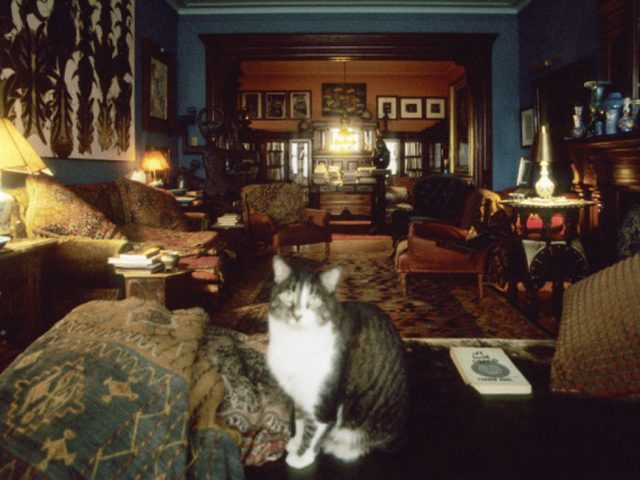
column 158, row 80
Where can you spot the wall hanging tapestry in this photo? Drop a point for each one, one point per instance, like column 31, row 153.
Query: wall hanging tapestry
column 67, row 76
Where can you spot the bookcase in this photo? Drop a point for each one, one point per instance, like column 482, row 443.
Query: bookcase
column 274, row 166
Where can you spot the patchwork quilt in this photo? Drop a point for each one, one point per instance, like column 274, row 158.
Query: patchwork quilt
column 129, row 389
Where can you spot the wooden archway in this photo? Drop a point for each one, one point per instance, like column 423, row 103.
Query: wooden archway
column 225, row 53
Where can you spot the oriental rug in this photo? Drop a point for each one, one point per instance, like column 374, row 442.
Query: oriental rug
column 436, row 306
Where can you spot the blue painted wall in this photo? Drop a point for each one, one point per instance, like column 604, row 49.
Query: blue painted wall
column 157, row 21
column 506, row 143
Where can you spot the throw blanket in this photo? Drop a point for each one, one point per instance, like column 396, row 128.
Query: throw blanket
column 106, row 393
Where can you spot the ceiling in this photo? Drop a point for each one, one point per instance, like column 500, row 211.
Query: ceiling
column 340, row 6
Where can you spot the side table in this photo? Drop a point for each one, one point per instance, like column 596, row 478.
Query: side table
column 21, row 264
column 170, row 289
column 547, row 260
column 233, row 235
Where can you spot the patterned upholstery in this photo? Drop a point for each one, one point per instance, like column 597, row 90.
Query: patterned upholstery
column 145, row 205
column 56, row 211
column 283, row 202
column 598, row 346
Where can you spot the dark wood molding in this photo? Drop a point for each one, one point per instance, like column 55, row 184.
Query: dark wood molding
column 225, row 53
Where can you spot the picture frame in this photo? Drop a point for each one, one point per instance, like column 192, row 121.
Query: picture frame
column 435, row 108
column 158, row 85
column 275, row 105
column 348, row 99
column 388, row 105
column 300, row 104
column 252, row 103
column 524, row 172
column 411, row 108
column 527, row 127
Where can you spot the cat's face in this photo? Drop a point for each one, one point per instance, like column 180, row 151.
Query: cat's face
column 300, row 297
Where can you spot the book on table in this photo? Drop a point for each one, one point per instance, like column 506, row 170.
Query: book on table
column 489, row 370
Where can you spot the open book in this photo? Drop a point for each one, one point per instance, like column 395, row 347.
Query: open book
column 489, row 370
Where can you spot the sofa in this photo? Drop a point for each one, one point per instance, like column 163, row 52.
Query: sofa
column 92, row 222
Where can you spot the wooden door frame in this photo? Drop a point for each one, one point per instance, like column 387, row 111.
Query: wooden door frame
column 225, row 53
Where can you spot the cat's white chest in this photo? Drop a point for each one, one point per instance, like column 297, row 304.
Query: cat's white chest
column 301, row 359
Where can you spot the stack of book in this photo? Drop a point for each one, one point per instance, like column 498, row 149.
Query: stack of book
column 350, row 177
column 335, row 175
column 365, row 175
column 147, row 261
column 229, row 219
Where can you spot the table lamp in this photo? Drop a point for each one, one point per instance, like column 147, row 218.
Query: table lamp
column 543, row 155
column 152, row 161
column 16, row 155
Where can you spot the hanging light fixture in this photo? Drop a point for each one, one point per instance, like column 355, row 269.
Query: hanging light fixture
column 345, row 139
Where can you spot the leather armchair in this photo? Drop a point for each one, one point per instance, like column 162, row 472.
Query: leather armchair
column 277, row 217
column 436, row 246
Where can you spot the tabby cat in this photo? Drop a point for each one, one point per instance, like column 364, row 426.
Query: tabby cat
column 342, row 364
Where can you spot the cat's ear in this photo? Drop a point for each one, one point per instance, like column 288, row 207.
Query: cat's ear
column 281, row 270
column 329, row 279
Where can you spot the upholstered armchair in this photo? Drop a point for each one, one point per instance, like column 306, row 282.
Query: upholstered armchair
column 277, row 216
column 438, row 246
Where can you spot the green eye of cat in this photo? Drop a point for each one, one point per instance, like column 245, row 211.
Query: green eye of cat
column 314, row 302
column 286, row 297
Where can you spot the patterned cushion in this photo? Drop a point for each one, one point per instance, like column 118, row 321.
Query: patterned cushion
column 106, row 394
column 151, row 206
column 283, row 202
column 104, row 196
column 598, row 346
column 185, row 243
column 54, row 210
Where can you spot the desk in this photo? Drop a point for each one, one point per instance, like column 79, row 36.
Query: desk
column 546, row 260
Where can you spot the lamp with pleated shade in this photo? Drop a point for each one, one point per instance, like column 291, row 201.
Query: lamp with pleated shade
column 16, row 155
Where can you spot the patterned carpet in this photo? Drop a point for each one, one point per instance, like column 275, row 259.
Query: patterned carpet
column 437, row 305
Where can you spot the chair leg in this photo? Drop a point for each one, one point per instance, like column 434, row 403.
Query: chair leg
column 481, row 285
column 327, row 250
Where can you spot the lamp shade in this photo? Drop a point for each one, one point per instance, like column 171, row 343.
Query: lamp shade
column 154, row 160
column 15, row 152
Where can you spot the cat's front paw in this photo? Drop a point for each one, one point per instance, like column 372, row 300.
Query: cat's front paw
column 300, row 461
column 294, row 443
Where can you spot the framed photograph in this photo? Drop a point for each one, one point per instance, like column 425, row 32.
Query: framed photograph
column 252, row 103
column 158, row 80
column 410, row 107
column 300, row 104
column 388, row 106
column 527, row 127
column 275, row 105
column 435, row 108
column 344, row 99
column 524, row 173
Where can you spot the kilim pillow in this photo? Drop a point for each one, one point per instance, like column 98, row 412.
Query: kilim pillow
column 54, row 211
column 598, row 346
column 151, row 206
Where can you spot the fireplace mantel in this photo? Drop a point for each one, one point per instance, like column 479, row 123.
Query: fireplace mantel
column 607, row 170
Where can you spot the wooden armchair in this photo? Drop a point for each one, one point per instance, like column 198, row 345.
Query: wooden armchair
column 436, row 246
column 277, row 217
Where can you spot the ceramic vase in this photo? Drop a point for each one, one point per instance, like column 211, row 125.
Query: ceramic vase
column 626, row 123
column 579, row 128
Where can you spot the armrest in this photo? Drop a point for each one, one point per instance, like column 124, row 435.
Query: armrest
column 437, row 231
column 319, row 217
column 84, row 259
column 261, row 226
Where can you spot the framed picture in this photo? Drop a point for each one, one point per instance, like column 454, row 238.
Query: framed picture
column 410, row 107
column 527, row 127
column 435, row 108
column 388, row 106
column 524, row 173
column 158, row 79
column 300, row 104
column 344, row 99
column 275, row 105
column 252, row 103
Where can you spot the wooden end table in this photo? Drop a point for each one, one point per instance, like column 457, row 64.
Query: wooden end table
column 170, row 289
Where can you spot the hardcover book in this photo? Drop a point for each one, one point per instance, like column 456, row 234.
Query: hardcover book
column 489, row 371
